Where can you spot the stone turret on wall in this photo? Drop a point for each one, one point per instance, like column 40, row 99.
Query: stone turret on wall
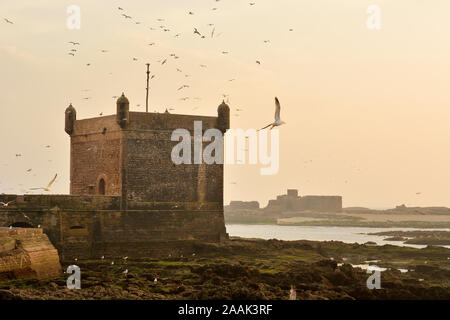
column 223, row 120
column 70, row 118
column 123, row 111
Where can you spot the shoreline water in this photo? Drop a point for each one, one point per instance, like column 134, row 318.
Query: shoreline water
column 320, row 233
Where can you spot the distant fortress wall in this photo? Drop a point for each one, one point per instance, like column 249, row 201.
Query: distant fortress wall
column 251, row 205
column 293, row 202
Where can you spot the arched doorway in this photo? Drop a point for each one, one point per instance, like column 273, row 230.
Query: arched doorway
column 101, row 187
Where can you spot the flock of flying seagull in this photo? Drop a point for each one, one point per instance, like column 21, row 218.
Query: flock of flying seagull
column 76, row 45
column 164, row 61
column 46, row 188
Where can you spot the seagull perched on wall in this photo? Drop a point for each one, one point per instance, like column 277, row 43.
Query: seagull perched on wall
column 278, row 121
column 4, row 205
column 47, row 188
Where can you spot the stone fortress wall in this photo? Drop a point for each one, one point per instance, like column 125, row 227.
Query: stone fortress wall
column 127, row 197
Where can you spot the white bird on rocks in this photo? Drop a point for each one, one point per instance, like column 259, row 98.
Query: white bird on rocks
column 278, row 121
column 103, row 257
column 155, row 281
column 125, row 272
column 112, row 263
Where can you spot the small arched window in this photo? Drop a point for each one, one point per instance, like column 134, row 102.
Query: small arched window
column 101, row 187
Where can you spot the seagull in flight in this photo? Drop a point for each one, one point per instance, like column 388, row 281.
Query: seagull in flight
column 183, row 86
column 8, row 21
column 278, row 121
column 4, row 205
column 47, row 188
column 196, row 32
column 74, row 43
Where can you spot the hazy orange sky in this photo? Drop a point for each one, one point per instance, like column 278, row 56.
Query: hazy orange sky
column 367, row 111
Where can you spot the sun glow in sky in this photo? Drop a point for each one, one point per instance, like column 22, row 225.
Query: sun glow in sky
column 367, row 111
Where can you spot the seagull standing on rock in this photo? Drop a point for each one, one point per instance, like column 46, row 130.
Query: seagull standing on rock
column 278, row 121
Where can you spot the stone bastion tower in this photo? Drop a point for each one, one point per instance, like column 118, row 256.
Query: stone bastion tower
column 129, row 155
column 127, row 197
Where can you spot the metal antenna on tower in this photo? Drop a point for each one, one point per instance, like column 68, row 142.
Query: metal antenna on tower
column 148, row 77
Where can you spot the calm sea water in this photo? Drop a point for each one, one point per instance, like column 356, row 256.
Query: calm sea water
column 344, row 234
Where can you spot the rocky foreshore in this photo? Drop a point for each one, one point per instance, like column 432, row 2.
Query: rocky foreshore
column 254, row 269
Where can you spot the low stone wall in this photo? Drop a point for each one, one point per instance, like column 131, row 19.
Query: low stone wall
column 27, row 253
column 78, row 233
column 73, row 202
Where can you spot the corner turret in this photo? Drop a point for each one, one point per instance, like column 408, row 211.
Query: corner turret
column 223, row 120
column 70, row 118
column 123, row 111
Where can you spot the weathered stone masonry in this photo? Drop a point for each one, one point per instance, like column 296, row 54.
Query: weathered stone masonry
column 127, row 197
